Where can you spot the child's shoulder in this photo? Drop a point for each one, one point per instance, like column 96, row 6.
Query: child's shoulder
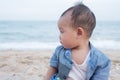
column 59, row 49
column 100, row 58
column 99, row 55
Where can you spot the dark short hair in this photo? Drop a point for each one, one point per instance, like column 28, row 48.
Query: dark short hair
column 83, row 17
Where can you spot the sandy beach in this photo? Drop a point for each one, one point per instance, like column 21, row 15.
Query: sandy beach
column 33, row 64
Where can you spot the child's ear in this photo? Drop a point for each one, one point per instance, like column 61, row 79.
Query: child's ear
column 79, row 31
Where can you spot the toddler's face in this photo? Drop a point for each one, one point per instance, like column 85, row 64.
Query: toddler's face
column 68, row 35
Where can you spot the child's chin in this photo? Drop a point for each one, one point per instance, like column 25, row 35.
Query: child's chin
column 66, row 47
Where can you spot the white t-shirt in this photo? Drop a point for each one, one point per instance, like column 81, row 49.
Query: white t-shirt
column 78, row 72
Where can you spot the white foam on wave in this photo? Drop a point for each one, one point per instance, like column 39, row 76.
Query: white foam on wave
column 28, row 45
column 106, row 44
column 103, row 44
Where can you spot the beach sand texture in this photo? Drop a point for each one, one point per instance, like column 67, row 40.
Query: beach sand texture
column 33, row 64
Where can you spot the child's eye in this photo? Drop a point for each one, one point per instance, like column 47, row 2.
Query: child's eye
column 61, row 31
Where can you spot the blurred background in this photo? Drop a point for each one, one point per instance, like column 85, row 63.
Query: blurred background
column 32, row 24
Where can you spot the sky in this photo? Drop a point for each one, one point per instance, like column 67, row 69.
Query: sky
column 106, row 10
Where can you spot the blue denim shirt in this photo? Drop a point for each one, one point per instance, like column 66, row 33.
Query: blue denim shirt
column 98, row 67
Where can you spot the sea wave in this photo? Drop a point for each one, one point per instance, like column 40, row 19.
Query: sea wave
column 102, row 44
column 107, row 44
column 28, row 45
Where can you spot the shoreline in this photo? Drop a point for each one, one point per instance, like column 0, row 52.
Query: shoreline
column 33, row 64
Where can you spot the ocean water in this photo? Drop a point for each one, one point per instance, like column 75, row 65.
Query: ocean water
column 34, row 35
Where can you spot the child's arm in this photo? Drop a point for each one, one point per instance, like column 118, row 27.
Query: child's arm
column 51, row 71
